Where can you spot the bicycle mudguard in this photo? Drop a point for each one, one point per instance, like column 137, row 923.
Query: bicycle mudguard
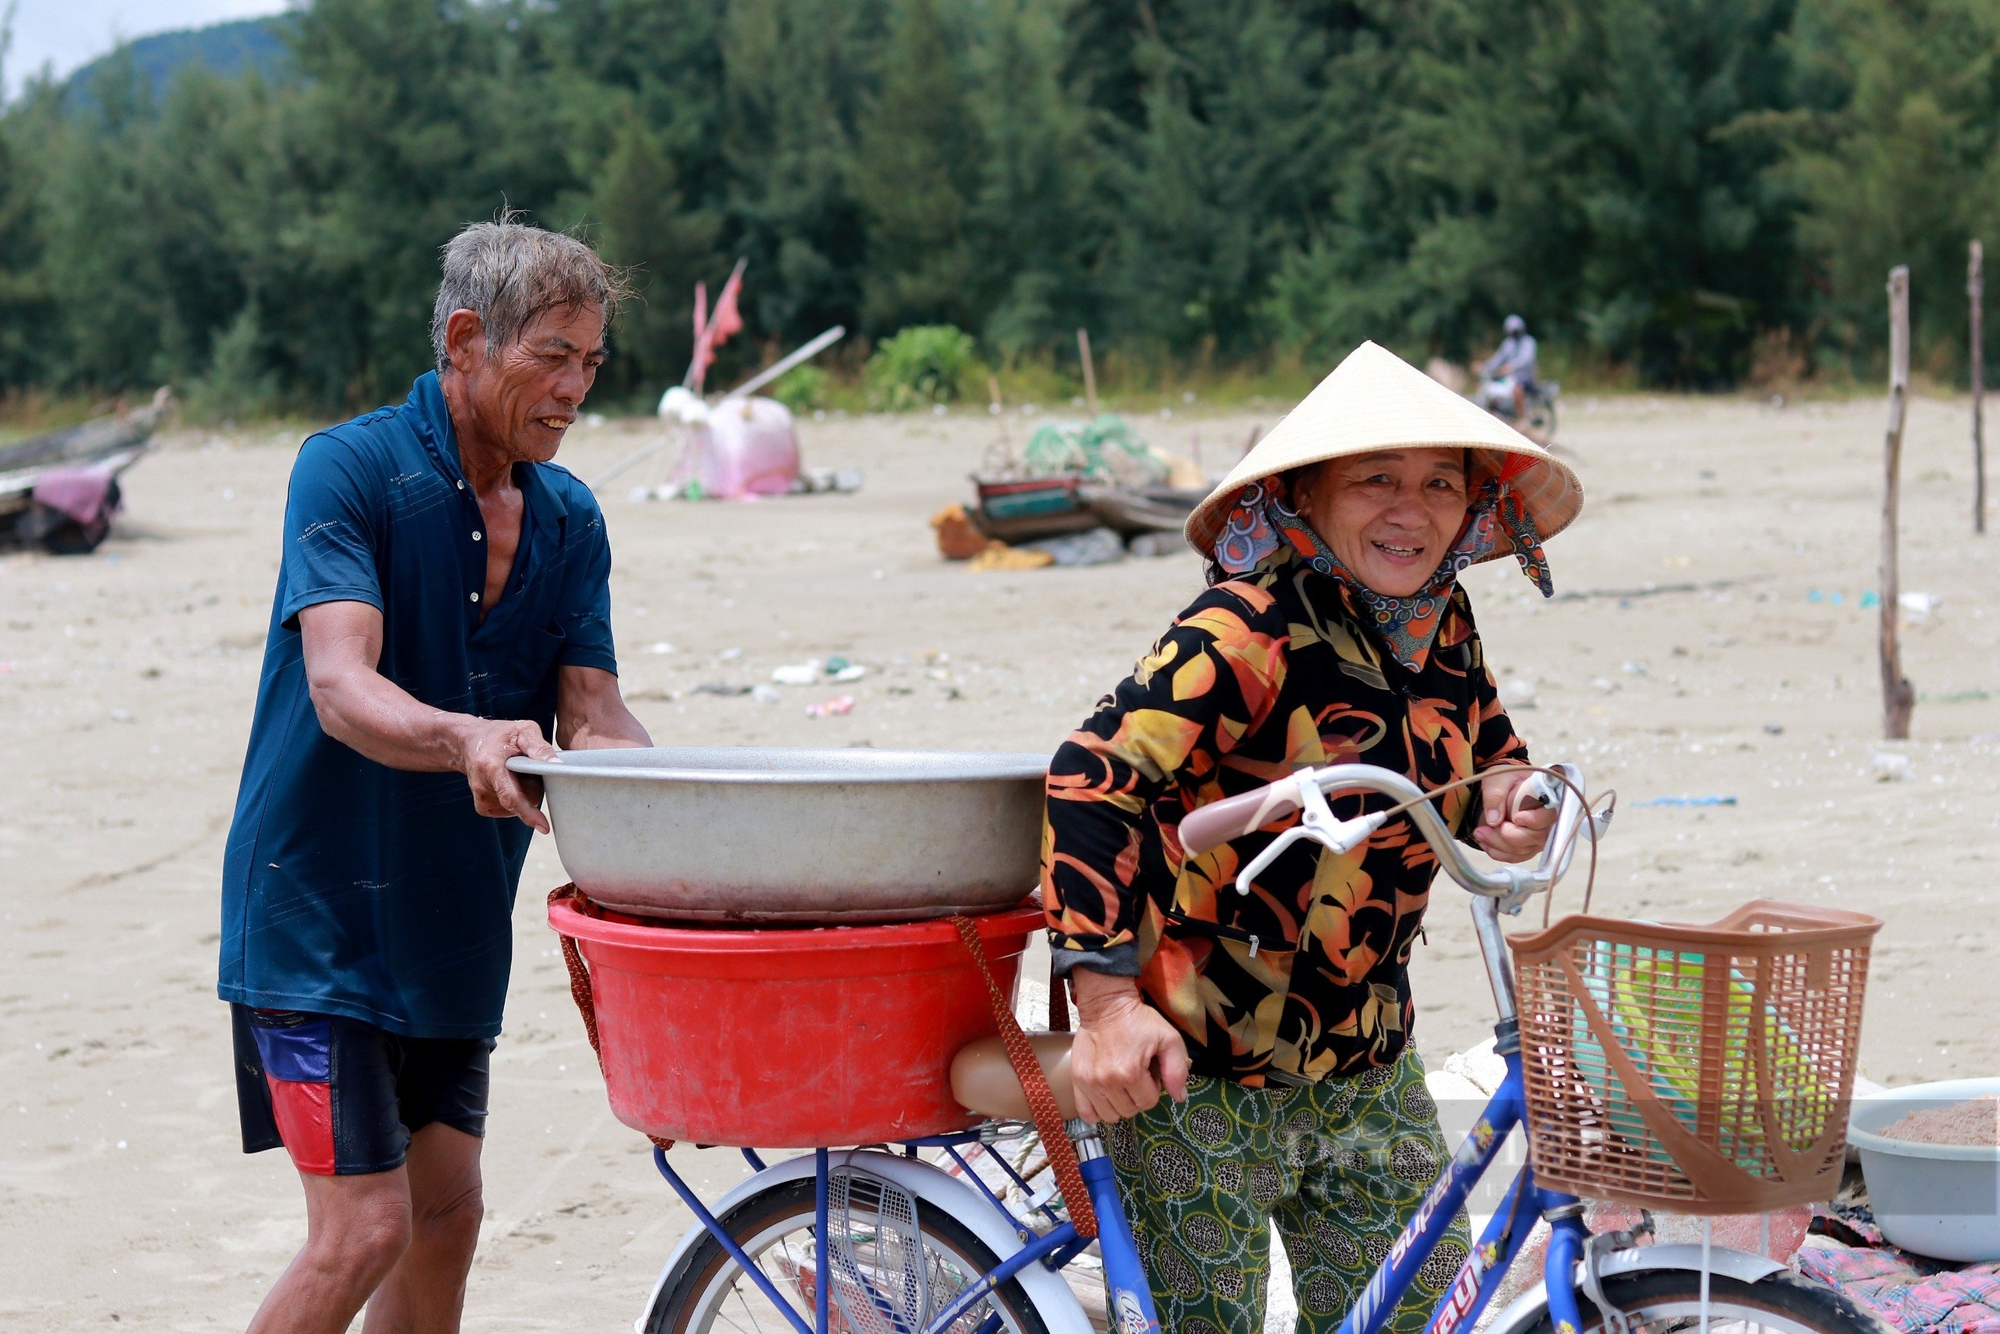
column 1526, row 1309
column 932, row 1186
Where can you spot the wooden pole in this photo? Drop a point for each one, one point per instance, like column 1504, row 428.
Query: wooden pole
column 1089, row 371
column 1975, row 291
column 1898, row 697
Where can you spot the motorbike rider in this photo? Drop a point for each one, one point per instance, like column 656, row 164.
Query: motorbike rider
column 1514, row 359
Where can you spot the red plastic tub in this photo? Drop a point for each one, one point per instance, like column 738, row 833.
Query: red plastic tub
column 787, row 1038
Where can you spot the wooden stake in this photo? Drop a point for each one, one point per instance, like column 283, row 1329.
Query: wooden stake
column 1089, row 371
column 1975, row 291
column 1898, row 696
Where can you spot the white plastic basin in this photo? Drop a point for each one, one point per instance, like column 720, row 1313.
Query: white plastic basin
column 1940, row 1200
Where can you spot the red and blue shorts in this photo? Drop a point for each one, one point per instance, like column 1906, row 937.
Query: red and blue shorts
column 344, row 1097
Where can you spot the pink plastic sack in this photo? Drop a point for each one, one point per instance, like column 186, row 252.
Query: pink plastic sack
column 747, row 447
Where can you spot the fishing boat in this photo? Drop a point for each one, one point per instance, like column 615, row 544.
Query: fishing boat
column 60, row 489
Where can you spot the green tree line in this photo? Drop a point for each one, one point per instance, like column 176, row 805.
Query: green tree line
column 1692, row 189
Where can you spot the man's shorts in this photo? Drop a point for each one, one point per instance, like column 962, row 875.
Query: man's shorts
column 344, row 1097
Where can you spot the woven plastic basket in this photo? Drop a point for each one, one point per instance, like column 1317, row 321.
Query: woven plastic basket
column 1694, row 1068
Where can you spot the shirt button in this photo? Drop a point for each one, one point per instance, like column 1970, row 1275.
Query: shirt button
column 477, row 536
column 475, row 597
column 461, row 484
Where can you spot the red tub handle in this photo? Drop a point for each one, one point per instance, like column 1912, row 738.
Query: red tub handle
column 579, row 980
column 1056, row 1142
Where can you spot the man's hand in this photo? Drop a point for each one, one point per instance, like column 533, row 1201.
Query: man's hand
column 497, row 791
column 1125, row 1050
column 1505, row 834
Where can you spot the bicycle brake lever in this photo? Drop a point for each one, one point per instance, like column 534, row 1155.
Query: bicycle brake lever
column 1540, row 790
column 1317, row 823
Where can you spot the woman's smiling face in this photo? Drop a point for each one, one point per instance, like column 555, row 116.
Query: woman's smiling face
column 1390, row 516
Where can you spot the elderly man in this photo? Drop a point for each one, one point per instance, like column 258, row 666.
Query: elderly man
column 442, row 601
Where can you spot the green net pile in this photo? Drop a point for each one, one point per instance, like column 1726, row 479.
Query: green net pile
column 1106, row 449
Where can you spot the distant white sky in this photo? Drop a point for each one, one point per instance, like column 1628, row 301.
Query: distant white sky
column 69, row 33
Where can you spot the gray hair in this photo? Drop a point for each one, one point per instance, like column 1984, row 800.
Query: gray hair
column 508, row 272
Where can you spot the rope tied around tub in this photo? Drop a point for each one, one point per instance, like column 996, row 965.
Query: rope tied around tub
column 579, row 979
column 1056, row 1142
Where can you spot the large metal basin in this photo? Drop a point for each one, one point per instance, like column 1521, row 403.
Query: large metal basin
column 750, row 834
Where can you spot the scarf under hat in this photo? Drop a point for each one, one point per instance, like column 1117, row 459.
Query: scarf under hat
column 1260, row 521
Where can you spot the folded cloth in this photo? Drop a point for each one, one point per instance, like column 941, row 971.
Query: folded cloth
column 87, row 495
column 1914, row 1294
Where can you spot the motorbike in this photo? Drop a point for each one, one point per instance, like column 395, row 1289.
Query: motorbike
column 1538, row 421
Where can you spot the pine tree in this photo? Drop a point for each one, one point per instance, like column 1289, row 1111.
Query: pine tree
column 26, row 313
column 1038, row 223
column 1224, row 170
column 644, row 223
column 1897, row 157
column 913, row 170
column 796, row 71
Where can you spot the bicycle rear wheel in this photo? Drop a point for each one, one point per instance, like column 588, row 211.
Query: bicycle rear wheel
column 1661, row 1301
column 709, row 1291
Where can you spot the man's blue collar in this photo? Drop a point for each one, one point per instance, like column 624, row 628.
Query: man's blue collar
column 432, row 417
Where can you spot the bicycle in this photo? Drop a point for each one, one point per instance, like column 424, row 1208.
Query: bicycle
column 911, row 1248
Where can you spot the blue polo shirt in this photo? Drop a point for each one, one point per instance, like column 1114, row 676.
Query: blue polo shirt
column 349, row 887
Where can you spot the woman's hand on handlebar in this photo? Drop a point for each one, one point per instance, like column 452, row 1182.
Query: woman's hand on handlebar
column 1504, row 833
column 1125, row 1050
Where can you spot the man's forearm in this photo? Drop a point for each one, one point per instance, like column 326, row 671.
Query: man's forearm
column 365, row 710
column 591, row 712
column 609, row 727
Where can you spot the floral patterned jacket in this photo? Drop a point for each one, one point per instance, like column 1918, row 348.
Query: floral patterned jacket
column 1260, row 676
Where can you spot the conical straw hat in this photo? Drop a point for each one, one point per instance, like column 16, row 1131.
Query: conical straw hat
column 1376, row 400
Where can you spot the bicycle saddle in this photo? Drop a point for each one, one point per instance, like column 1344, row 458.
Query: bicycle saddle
column 983, row 1079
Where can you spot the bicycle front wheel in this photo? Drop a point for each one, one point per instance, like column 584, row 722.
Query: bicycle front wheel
column 1661, row 1301
column 709, row 1291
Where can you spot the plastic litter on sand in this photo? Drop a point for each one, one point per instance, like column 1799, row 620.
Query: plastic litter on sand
column 1687, row 801
column 815, row 670
column 1888, row 766
column 831, row 708
column 997, row 555
column 1976, row 1121
column 1098, row 546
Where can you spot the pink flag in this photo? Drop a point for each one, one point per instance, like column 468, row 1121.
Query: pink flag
column 711, row 333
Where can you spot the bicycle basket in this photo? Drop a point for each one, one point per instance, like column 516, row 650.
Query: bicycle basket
column 1697, row 1068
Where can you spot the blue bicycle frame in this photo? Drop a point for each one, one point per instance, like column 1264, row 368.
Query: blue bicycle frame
column 1489, row 1259
column 1130, row 1302
column 1126, row 1293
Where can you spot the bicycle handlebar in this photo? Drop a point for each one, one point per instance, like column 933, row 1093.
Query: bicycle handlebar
column 1213, row 825
column 1234, row 817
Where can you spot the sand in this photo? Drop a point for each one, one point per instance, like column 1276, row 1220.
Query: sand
column 1689, row 657
column 1975, row 1122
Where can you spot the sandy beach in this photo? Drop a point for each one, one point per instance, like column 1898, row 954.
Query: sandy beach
column 1709, row 640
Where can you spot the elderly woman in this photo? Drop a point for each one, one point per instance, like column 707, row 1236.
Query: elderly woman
column 1335, row 631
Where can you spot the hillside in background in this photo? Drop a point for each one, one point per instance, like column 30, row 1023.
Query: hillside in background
column 1693, row 193
column 227, row 49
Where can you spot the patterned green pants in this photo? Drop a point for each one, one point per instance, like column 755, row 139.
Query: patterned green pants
column 1339, row 1167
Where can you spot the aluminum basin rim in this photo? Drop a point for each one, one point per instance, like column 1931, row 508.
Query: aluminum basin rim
column 1014, row 767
